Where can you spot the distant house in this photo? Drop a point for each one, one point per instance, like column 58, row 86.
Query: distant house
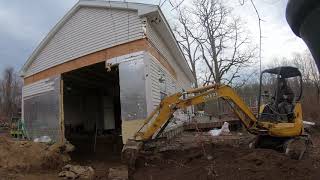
column 101, row 69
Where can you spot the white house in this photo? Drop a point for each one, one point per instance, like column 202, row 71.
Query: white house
column 102, row 68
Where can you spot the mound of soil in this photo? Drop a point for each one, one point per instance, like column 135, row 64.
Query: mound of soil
column 224, row 161
column 26, row 156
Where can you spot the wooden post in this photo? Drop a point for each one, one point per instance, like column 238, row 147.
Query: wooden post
column 61, row 118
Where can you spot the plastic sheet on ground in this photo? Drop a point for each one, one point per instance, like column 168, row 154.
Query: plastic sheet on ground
column 43, row 139
column 223, row 131
column 309, row 123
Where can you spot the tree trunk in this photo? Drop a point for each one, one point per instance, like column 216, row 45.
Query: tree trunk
column 318, row 95
column 219, row 101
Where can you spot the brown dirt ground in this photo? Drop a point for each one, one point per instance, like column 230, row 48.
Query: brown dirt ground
column 187, row 157
column 21, row 158
column 229, row 158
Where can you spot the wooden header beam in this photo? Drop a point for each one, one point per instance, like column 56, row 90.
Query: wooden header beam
column 100, row 56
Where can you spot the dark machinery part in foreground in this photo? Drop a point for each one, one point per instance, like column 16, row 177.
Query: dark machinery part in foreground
column 303, row 16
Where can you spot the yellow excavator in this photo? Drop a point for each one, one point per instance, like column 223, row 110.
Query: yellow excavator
column 278, row 124
column 279, row 120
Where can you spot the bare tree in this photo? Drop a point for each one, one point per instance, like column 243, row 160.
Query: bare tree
column 306, row 65
column 214, row 40
column 315, row 78
column 309, row 71
column 187, row 41
column 222, row 41
column 7, row 91
column 222, row 44
column 174, row 4
column 10, row 96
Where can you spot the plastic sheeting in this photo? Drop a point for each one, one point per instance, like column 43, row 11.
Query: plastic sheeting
column 133, row 90
column 42, row 112
column 223, row 131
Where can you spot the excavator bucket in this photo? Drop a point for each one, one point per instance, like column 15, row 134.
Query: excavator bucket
column 130, row 152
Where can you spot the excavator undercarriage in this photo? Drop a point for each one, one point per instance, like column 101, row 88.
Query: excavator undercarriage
column 294, row 147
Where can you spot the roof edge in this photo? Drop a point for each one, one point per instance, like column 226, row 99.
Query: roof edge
column 189, row 74
column 47, row 38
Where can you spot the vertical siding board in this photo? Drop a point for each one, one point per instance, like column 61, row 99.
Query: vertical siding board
column 154, row 67
column 155, row 83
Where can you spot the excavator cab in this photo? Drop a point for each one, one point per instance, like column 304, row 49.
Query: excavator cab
column 280, row 91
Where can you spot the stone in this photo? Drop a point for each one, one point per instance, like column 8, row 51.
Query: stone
column 83, row 172
column 118, row 173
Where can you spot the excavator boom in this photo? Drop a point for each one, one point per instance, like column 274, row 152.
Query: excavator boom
column 161, row 116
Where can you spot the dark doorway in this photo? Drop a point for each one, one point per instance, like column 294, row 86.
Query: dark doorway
column 92, row 114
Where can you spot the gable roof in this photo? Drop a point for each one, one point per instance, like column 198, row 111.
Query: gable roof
column 142, row 9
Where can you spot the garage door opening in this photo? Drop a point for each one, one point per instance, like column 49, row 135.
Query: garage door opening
column 92, row 114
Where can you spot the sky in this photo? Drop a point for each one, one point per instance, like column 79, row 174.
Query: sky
column 277, row 38
column 23, row 24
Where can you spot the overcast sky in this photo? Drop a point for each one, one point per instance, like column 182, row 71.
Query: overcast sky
column 24, row 23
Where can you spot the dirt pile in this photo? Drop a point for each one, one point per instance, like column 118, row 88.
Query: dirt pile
column 225, row 161
column 26, row 156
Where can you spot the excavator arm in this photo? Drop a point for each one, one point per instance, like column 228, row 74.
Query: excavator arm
column 160, row 117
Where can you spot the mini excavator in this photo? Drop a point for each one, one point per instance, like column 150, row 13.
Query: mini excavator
column 278, row 125
column 278, row 122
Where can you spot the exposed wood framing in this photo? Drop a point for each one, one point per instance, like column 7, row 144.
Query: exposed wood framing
column 100, row 56
column 61, row 116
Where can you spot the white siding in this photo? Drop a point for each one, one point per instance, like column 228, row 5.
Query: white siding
column 154, row 69
column 125, row 58
column 171, row 84
column 88, row 30
column 154, row 81
column 157, row 41
column 38, row 87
